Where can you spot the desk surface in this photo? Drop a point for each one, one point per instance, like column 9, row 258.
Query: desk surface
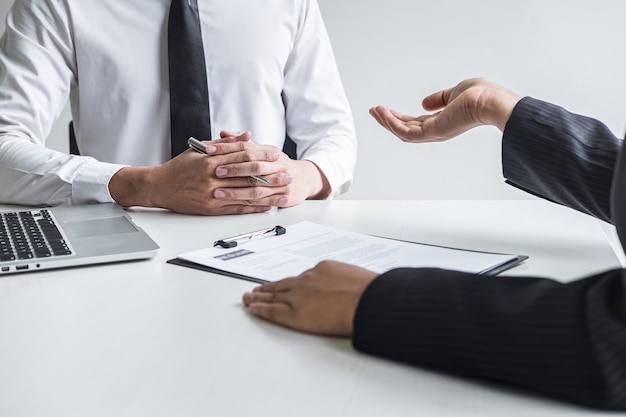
column 152, row 339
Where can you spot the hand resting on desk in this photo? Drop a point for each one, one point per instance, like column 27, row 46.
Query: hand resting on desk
column 322, row 300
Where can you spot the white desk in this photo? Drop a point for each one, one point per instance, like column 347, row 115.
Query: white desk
column 152, row 339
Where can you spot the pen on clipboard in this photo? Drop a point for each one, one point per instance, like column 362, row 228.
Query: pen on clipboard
column 233, row 241
column 200, row 147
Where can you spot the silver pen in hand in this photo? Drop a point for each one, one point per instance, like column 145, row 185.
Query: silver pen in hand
column 200, row 147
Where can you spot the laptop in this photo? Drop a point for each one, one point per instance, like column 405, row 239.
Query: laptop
column 36, row 239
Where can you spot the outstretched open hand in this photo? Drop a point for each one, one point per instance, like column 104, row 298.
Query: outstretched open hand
column 470, row 103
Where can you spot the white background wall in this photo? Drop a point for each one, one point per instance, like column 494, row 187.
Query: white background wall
column 394, row 52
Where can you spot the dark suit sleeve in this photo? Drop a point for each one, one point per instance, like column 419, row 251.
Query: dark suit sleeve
column 565, row 341
column 560, row 156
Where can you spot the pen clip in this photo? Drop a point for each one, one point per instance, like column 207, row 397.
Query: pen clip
column 196, row 145
column 231, row 242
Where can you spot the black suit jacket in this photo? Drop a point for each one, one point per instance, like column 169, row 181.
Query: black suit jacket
column 566, row 341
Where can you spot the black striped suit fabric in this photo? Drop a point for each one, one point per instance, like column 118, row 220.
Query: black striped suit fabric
column 564, row 341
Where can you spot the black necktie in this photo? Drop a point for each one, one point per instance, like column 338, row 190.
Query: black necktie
column 189, row 92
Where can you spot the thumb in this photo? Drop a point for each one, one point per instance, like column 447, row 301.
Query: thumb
column 437, row 101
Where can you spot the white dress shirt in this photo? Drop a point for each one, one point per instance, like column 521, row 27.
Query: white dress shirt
column 270, row 70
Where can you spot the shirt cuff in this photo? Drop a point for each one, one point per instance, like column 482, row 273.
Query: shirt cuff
column 338, row 173
column 91, row 183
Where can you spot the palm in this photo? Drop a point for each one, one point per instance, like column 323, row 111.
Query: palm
column 457, row 114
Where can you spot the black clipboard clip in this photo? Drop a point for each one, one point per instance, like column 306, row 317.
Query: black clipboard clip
column 231, row 242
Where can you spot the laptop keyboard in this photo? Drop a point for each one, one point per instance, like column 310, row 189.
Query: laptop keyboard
column 30, row 234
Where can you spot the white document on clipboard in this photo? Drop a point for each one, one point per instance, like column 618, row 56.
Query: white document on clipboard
column 305, row 244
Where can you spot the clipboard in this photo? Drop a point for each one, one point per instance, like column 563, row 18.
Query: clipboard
column 275, row 253
column 194, row 265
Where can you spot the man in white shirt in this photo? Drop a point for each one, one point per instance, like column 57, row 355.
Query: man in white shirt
column 270, row 70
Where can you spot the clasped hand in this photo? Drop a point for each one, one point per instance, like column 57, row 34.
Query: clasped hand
column 221, row 182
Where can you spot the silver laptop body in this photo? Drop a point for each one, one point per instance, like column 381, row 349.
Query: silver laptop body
column 87, row 234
